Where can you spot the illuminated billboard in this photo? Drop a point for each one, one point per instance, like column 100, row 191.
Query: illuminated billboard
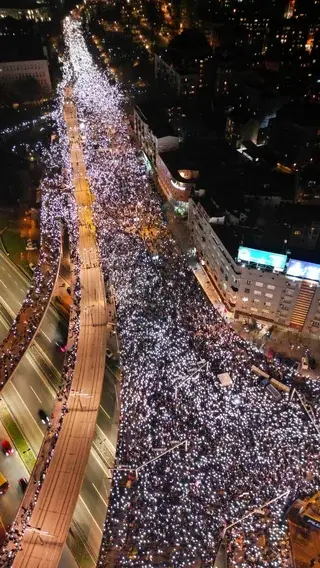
column 277, row 261
column 306, row 270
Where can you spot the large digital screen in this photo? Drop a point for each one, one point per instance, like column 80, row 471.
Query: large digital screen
column 277, row 261
column 301, row 269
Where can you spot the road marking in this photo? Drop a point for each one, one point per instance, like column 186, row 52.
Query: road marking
column 35, row 394
column 112, row 449
column 33, row 418
column 91, row 515
column 2, row 282
column 102, row 499
column 103, row 410
column 48, row 338
column 22, row 290
column 46, row 381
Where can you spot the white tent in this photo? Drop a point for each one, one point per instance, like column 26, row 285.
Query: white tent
column 225, row 379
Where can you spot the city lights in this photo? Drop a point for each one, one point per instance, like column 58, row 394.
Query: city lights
column 244, row 448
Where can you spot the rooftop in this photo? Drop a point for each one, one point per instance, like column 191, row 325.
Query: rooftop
column 274, row 233
column 27, row 48
column 156, row 116
column 306, row 115
column 22, row 4
column 180, row 159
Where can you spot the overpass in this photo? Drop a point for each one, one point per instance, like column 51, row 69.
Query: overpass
column 45, row 532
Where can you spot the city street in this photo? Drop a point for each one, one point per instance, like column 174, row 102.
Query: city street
column 13, row 469
column 29, row 390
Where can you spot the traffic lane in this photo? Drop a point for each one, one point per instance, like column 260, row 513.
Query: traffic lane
column 13, row 469
column 94, row 488
column 32, row 428
column 108, row 408
column 11, row 291
column 10, row 273
column 89, row 529
column 33, row 389
column 50, row 348
column 67, row 560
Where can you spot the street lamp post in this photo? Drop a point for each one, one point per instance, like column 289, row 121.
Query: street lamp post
column 137, row 469
column 39, row 533
column 256, row 510
column 81, row 395
column 194, row 375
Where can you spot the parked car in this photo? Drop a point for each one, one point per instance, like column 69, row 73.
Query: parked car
column 304, row 364
column 7, row 448
column 43, row 416
column 32, row 266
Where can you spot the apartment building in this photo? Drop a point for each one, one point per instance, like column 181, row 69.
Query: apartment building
column 38, row 69
column 153, row 131
column 269, row 286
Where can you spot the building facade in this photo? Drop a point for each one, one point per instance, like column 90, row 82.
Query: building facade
column 153, row 138
column 289, row 297
column 12, row 71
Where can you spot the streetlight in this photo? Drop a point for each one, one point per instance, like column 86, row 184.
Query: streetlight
column 306, row 406
column 39, row 532
column 256, row 510
column 195, row 374
column 137, row 469
column 81, row 395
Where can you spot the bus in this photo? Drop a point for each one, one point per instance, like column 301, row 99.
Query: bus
column 4, row 484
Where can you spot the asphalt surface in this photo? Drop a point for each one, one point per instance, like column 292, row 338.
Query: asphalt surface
column 30, row 390
column 13, row 469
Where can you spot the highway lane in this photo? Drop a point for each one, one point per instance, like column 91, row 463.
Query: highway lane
column 13, row 288
column 13, row 469
column 23, row 395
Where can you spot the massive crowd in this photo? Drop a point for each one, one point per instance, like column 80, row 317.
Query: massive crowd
column 244, row 448
column 58, row 211
column 33, row 308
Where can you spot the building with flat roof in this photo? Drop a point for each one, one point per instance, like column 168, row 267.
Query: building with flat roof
column 26, row 9
column 154, row 133
column 182, row 67
column 22, row 59
column 178, row 172
column 263, row 268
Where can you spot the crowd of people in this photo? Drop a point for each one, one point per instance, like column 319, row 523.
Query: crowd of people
column 244, row 448
column 27, row 321
column 58, row 212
